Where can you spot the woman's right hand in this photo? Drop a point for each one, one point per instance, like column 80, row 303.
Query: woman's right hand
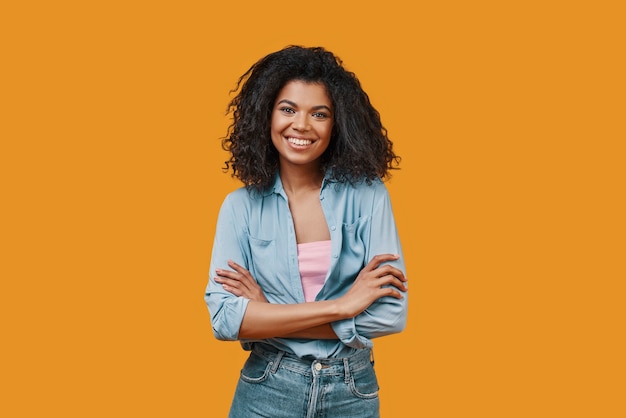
column 240, row 282
column 368, row 286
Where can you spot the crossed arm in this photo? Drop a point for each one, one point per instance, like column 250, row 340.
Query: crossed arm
column 311, row 319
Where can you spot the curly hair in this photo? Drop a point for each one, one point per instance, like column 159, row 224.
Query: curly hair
column 359, row 148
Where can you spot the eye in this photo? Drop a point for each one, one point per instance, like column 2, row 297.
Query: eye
column 320, row 115
column 286, row 109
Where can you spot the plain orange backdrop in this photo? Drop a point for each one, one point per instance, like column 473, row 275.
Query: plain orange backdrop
column 509, row 117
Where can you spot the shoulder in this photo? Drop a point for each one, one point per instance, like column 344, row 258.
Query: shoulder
column 234, row 199
column 361, row 189
column 238, row 195
column 243, row 200
column 361, row 197
column 244, row 194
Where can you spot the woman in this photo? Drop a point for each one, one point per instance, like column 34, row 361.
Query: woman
column 306, row 267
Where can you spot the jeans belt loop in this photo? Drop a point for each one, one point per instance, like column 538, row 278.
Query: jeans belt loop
column 277, row 360
column 346, row 369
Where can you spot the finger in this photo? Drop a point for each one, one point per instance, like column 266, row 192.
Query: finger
column 238, row 268
column 233, row 290
column 394, row 271
column 244, row 283
column 242, row 276
column 225, row 281
column 246, row 277
column 390, row 291
column 233, row 286
column 389, row 280
column 228, row 274
column 380, row 258
column 395, row 282
column 244, row 272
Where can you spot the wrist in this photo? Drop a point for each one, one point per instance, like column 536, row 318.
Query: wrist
column 338, row 309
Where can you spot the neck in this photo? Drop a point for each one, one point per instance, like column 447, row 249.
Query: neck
column 300, row 179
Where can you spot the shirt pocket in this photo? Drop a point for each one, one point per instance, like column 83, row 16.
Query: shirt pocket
column 263, row 264
column 354, row 238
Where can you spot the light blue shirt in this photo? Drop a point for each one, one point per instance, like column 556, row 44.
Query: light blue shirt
column 256, row 230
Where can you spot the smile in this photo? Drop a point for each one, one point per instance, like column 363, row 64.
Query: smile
column 298, row 141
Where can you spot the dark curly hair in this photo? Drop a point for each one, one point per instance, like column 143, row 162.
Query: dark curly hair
column 359, row 148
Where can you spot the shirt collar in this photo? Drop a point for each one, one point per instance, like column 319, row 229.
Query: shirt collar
column 277, row 187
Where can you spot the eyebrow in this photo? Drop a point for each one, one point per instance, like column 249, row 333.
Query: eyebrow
column 290, row 103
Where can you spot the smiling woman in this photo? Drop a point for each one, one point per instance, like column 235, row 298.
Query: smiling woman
column 301, row 123
column 307, row 267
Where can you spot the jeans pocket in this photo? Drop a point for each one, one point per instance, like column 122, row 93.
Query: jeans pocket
column 363, row 383
column 256, row 369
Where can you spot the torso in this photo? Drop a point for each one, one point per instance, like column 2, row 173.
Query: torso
column 308, row 217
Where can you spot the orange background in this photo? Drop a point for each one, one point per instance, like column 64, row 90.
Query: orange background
column 509, row 117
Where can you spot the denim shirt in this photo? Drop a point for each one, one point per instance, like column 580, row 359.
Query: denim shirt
column 256, row 230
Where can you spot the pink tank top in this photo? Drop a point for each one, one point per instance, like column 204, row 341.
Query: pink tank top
column 314, row 262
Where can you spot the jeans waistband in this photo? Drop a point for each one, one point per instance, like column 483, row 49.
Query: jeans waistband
column 334, row 365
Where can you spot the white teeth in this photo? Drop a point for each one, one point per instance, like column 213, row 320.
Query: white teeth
column 297, row 141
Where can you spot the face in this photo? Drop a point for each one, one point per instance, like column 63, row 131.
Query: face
column 302, row 122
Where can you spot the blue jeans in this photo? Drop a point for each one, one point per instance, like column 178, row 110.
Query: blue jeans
column 275, row 384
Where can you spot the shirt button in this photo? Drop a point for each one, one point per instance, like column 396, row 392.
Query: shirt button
column 318, row 366
column 332, row 228
column 335, row 256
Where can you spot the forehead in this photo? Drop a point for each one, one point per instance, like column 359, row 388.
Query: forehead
column 304, row 93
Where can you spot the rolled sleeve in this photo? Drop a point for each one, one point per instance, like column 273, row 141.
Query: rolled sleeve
column 387, row 315
column 384, row 317
column 226, row 310
column 346, row 331
column 226, row 314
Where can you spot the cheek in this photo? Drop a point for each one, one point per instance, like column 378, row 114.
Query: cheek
column 277, row 124
column 328, row 133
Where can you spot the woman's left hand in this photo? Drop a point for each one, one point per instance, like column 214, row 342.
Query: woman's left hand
column 240, row 282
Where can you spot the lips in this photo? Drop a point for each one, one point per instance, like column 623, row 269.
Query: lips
column 299, row 141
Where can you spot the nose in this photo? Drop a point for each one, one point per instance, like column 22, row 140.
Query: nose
column 301, row 122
